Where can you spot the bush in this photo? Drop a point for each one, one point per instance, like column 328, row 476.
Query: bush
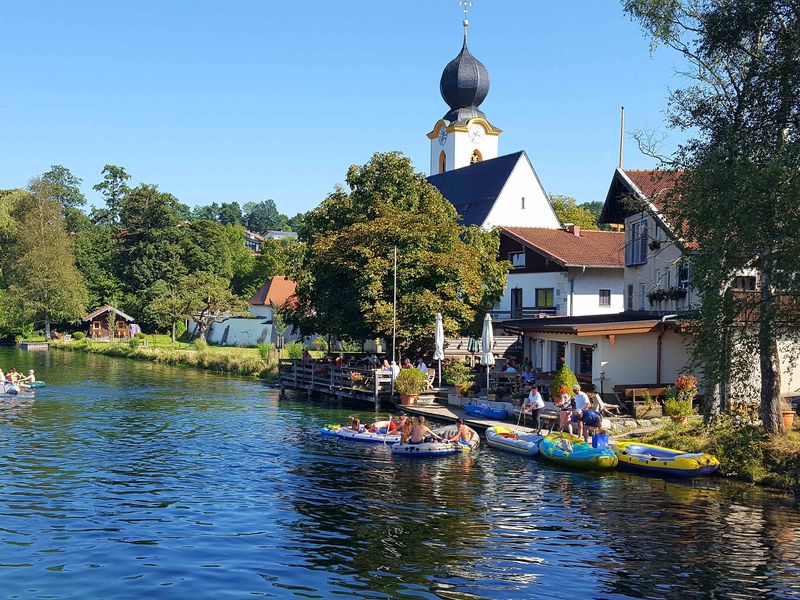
column 410, row 381
column 78, row 335
column 563, row 381
column 457, row 372
column 134, row 342
column 318, row 344
column 264, row 350
column 139, row 336
column 675, row 406
column 200, row 344
column 294, row 350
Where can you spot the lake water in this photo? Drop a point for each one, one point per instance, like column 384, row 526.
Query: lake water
column 123, row 479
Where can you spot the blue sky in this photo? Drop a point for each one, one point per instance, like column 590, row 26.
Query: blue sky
column 247, row 100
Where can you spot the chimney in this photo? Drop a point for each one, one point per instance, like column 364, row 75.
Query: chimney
column 573, row 229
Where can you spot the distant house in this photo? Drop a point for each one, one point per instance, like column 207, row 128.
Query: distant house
column 280, row 235
column 561, row 272
column 99, row 323
column 253, row 241
column 258, row 326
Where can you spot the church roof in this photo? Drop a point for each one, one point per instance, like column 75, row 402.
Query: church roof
column 464, row 85
column 473, row 190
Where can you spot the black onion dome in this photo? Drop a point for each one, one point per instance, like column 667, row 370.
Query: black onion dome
column 464, row 85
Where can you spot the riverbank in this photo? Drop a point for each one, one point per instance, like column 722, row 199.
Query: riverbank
column 745, row 451
column 236, row 361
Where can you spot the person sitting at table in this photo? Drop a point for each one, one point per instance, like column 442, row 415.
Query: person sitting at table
column 407, row 364
column 527, row 376
column 510, row 368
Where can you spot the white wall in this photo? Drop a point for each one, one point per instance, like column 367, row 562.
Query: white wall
column 528, row 282
column 508, row 211
column 587, row 286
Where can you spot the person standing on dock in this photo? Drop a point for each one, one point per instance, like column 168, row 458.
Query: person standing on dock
column 533, row 406
column 422, row 367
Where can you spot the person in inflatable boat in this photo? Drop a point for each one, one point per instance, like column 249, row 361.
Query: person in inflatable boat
column 405, row 426
column 421, row 433
column 462, row 435
column 355, row 424
column 588, row 421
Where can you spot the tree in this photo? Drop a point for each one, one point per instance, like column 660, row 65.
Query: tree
column 568, row 211
column 46, row 286
column 264, row 216
column 209, row 300
column 66, row 188
column 596, row 208
column 113, row 188
column 150, row 247
column 345, row 285
column 230, row 213
column 737, row 203
column 97, row 251
column 170, row 304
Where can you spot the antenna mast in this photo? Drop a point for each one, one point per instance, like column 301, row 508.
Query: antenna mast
column 467, row 5
column 621, row 134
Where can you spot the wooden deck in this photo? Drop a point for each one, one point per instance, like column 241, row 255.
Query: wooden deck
column 326, row 379
column 450, row 413
column 34, row 346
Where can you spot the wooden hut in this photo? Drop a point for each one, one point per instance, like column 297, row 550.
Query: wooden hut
column 100, row 319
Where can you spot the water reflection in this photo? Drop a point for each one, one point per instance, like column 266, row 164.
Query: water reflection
column 130, row 477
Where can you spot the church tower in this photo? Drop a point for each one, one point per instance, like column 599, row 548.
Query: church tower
column 464, row 135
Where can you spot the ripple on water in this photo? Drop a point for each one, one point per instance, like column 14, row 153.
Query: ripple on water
column 131, row 479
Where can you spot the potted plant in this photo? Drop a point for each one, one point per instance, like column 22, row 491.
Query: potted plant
column 676, row 293
column 563, row 381
column 457, row 373
column 410, row 383
column 491, row 393
column 654, row 245
column 657, row 295
column 788, row 415
column 679, row 397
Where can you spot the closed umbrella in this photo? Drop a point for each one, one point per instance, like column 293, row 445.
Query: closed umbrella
column 487, row 343
column 438, row 353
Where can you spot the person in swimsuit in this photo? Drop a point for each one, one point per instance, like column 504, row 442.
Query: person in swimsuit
column 420, row 432
column 463, row 435
column 405, row 428
column 355, row 424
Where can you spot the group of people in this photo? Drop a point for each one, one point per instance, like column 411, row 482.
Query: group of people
column 572, row 411
column 414, row 430
column 393, row 368
column 13, row 378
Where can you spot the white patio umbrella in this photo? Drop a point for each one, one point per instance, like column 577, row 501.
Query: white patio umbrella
column 487, row 343
column 438, row 341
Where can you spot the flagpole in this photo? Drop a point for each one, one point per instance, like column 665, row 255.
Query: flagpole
column 394, row 307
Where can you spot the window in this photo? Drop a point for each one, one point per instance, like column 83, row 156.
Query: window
column 558, row 354
column 605, row 297
column 476, row 157
column 657, row 281
column 523, row 203
column 583, row 360
column 517, row 259
column 442, row 162
column 657, row 234
column 636, row 244
column 629, row 303
column 641, row 296
column 669, row 278
column 544, row 297
column 744, row 283
column 683, row 276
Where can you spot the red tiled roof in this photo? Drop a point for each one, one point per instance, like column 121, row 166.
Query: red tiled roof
column 653, row 183
column 591, row 249
column 276, row 291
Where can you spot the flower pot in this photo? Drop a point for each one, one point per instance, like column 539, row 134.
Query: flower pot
column 408, row 399
column 458, row 389
column 491, row 397
column 680, row 420
column 788, row 419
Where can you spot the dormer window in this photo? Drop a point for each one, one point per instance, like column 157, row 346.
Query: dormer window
column 517, row 259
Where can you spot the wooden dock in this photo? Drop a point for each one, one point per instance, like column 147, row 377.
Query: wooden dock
column 326, row 379
column 451, row 413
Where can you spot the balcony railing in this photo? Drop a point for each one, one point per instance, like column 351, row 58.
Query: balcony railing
column 524, row 312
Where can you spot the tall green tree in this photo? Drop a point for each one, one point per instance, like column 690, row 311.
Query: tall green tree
column 46, row 285
column 209, row 300
column 97, row 256
column 170, row 303
column 569, row 211
column 113, row 188
column 738, row 202
column 345, row 286
column 66, row 188
column 264, row 216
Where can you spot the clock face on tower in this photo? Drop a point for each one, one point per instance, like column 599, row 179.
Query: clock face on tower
column 442, row 136
column 476, row 134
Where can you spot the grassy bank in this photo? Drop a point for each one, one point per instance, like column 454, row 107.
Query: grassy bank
column 745, row 451
column 238, row 361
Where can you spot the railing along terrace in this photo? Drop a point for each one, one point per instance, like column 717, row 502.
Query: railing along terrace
column 327, row 378
column 525, row 312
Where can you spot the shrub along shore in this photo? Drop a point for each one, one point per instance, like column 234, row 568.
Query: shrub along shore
column 745, row 451
column 219, row 359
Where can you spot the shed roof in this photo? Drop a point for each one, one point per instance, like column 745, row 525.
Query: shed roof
column 105, row 308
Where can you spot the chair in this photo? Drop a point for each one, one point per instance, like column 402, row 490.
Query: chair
column 431, row 378
column 605, row 408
